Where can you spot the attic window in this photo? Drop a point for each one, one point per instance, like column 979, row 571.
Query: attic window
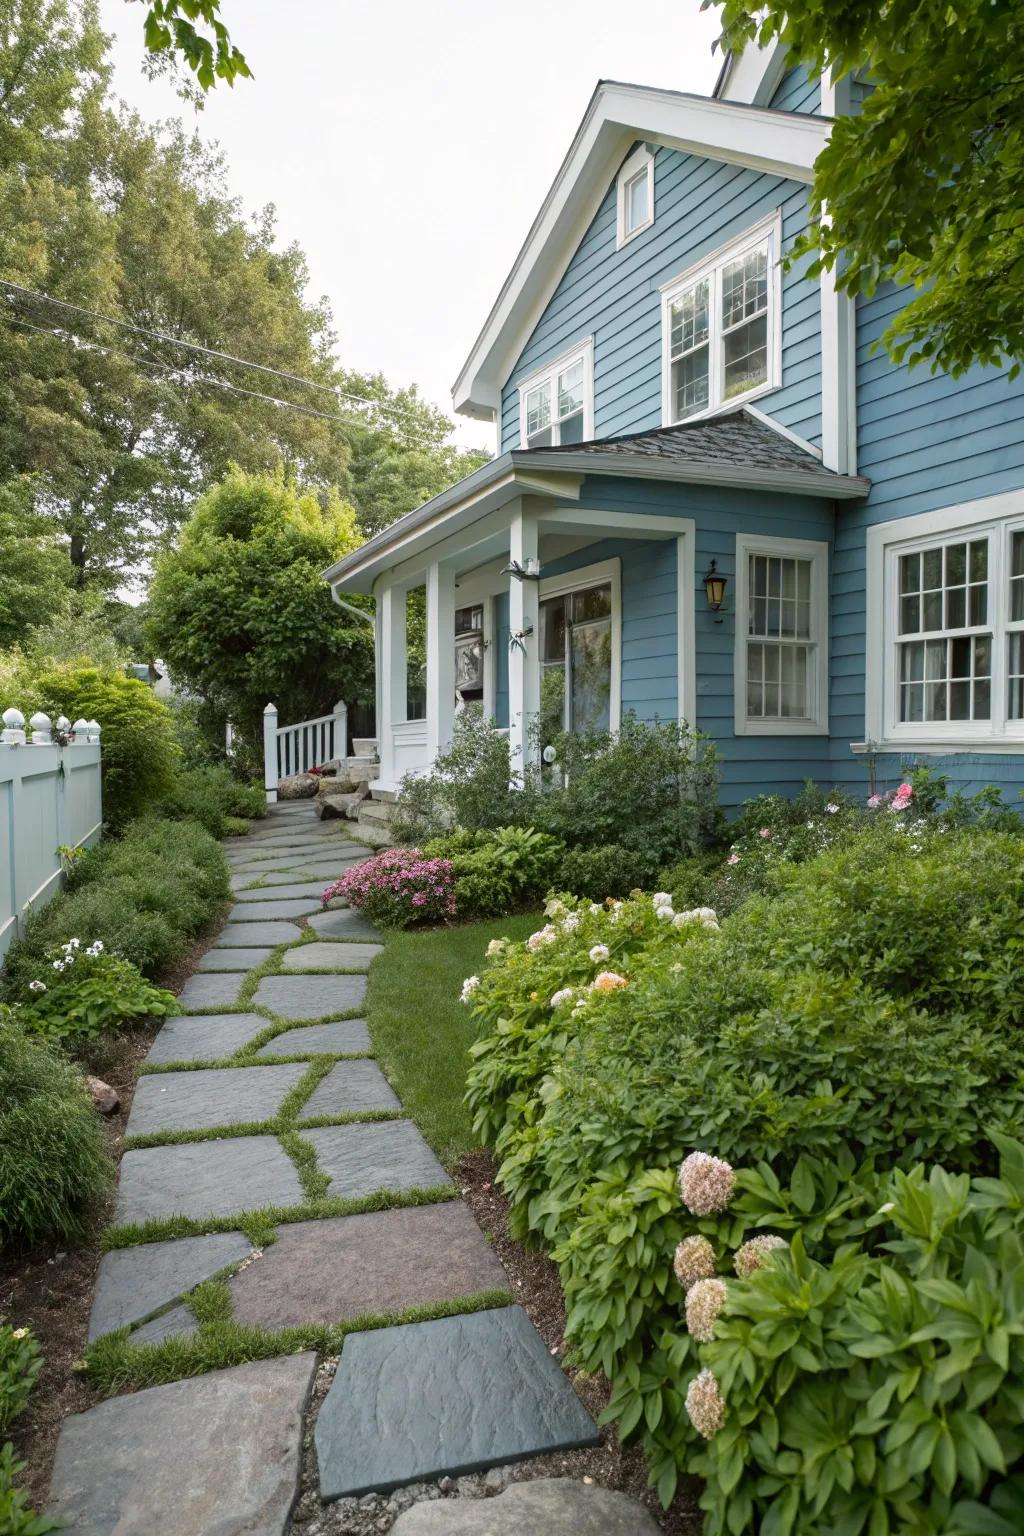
column 635, row 195
column 556, row 404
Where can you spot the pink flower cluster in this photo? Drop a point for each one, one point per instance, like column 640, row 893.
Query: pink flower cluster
column 899, row 800
column 399, row 886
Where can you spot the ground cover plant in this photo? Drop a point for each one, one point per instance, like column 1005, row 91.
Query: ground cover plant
column 215, row 797
column 863, row 1017
column 87, row 990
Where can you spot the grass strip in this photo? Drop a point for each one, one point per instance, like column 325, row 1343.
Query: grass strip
column 113, row 1364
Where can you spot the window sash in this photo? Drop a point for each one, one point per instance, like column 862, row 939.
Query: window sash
column 554, row 407
column 763, row 312
column 782, row 636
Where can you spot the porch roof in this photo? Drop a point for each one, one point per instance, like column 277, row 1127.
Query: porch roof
column 739, row 449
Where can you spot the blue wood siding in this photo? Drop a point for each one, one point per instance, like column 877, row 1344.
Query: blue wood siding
column 797, row 91
column 614, row 297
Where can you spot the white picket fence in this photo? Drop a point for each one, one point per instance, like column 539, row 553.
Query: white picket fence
column 289, row 749
column 49, row 797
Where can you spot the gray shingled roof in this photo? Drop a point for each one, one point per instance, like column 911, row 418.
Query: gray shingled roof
column 736, row 440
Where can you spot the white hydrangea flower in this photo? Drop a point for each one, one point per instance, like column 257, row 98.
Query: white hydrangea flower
column 58, row 965
column 705, row 1404
column 469, row 986
column 665, row 913
column 596, row 909
column 599, row 952
column 37, row 986
column 661, row 899
column 554, row 907
column 563, row 995
column 571, row 922
column 545, row 935
column 495, row 947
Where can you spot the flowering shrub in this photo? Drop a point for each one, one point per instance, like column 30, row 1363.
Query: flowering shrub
column 399, row 886
column 86, row 990
column 21, row 1360
column 500, row 871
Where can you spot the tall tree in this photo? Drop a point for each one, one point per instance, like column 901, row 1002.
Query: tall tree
column 34, row 570
column 925, row 185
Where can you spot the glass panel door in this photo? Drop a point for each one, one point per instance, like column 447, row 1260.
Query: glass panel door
column 591, row 676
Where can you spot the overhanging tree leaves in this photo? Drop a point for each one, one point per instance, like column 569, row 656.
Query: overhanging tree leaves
column 206, row 49
column 926, row 185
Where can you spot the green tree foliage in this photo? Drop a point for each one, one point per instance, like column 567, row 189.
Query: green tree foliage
column 36, row 570
column 241, row 614
column 924, row 186
column 207, row 49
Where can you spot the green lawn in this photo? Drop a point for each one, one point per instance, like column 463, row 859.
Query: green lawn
column 420, row 1030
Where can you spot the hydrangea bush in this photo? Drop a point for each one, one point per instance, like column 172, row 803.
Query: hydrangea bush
column 398, row 887
column 84, row 989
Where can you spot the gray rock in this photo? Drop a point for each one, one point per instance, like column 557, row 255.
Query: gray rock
column 218, row 1455
column 178, row 1323
column 204, row 1037
column 348, row 1088
column 455, row 1395
column 256, row 935
column 387, row 1154
column 345, row 1267
column 546, row 1506
column 133, row 1283
column 268, row 910
column 343, row 924
column 297, row 786
column 211, row 991
column 310, row 997
column 203, row 1100
column 233, row 959
column 345, row 1037
column 331, row 956
column 207, row 1178
column 103, row 1096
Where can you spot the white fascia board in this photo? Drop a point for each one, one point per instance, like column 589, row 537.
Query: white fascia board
column 752, row 76
column 780, row 143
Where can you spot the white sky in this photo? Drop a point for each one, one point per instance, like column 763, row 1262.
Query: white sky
column 408, row 145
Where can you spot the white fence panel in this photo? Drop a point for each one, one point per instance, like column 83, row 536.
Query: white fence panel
column 49, row 796
column 289, row 749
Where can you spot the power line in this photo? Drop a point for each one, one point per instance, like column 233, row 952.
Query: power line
column 212, row 352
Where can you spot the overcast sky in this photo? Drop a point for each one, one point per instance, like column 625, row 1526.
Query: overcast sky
column 407, row 145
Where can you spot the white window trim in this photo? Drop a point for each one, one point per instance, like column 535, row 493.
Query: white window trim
column 769, row 228
column 599, row 574
column 639, row 162
column 816, row 551
column 580, row 351
column 998, row 516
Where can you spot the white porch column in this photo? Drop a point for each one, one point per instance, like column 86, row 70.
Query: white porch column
column 523, row 657
column 391, row 675
column 440, row 658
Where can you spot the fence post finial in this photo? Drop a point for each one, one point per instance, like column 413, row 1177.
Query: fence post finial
column 40, row 726
column 13, row 733
column 270, row 753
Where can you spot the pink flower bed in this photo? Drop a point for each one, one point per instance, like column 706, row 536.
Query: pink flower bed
column 398, row 887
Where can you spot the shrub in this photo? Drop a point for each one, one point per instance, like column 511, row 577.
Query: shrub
column 139, row 752
column 608, row 870
column 21, row 1360
column 144, row 896
column 469, row 786
column 52, row 1162
column 498, row 871
column 86, row 991
column 16, row 1519
column 213, row 796
column 399, row 886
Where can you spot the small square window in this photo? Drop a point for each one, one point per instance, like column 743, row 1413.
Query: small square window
column 635, row 196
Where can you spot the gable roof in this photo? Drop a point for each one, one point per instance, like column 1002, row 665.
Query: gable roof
column 753, row 75
column 762, row 138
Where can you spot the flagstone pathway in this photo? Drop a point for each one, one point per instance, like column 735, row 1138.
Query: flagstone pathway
column 262, row 1096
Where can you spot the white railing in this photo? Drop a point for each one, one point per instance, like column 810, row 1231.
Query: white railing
column 289, row 749
column 49, row 798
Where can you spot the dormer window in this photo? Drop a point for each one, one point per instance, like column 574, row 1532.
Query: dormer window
column 556, row 404
column 721, row 327
column 635, row 195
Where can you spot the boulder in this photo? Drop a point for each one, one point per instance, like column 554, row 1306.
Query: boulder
column 297, row 786
column 103, row 1096
column 547, row 1507
column 336, row 800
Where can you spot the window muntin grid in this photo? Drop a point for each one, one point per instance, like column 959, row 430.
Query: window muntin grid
column 554, row 407
column 779, row 637
column 944, row 595
column 1015, row 637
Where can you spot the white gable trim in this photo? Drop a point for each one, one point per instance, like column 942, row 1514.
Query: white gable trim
column 780, row 143
column 752, row 76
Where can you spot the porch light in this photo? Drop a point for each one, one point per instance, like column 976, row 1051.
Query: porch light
column 528, row 572
column 714, row 587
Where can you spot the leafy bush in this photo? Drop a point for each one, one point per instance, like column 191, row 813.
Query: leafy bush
column 397, row 887
column 469, row 786
column 608, row 870
column 21, row 1360
column 144, row 896
column 139, row 751
column 213, row 796
column 89, row 990
column 882, row 1390
column 16, row 1519
column 52, row 1161
column 498, row 871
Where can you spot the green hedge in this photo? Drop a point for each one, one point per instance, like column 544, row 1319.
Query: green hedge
column 213, row 796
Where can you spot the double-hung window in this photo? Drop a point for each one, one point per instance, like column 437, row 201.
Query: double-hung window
column 634, row 197
column 721, row 327
column 781, row 636
column 556, row 404
column 948, row 665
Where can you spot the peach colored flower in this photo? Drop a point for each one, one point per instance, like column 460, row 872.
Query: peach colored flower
column 607, row 981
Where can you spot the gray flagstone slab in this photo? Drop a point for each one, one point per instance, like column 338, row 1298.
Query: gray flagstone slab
column 207, row 1178
column 310, row 997
column 256, row 935
column 451, row 1396
column 178, row 1323
column 348, row 1089
column 361, row 1159
column 272, row 908
column 322, row 867
column 133, row 1283
column 309, row 891
column 220, row 1453
column 331, row 956
column 211, row 991
column 343, row 1037
column 556, row 1506
column 345, row 1267
column 204, row 1037
column 210, row 1097
column 343, row 924
column 234, row 959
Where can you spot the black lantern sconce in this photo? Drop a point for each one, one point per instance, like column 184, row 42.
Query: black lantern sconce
column 714, row 589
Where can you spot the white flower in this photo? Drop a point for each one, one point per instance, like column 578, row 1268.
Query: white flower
column 495, row 947
column 571, row 922
column 832, row 808
column 58, row 965
column 20, row 1333
column 564, row 995
column 706, row 915
column 578, row 1007
column 599, row 952
column 596, row 909
column 37, row 986
column 95, row 949
column 75, row 943
column 666, row 914
column 554, row 907
column 546, row 935
column 469, row 986
column 661, row 899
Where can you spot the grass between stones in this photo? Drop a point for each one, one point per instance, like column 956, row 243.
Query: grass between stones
column 419, row 1030
column 113, row 1364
